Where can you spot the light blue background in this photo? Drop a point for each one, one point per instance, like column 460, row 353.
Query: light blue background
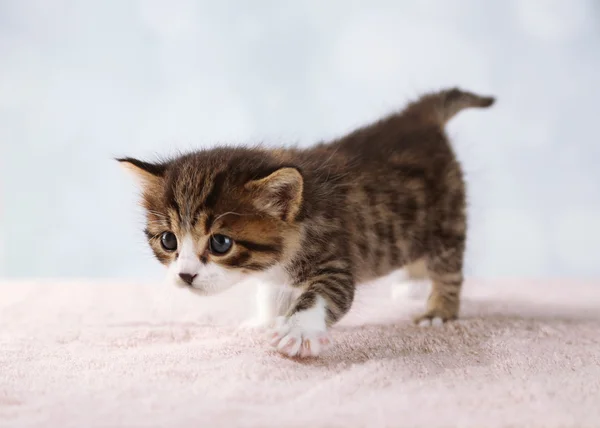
column 83, row 81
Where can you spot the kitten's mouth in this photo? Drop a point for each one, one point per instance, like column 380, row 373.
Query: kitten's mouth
column 182, row 284
column 192, row 287
column 204, row 289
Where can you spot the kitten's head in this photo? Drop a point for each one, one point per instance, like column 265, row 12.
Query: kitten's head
column 215, row 217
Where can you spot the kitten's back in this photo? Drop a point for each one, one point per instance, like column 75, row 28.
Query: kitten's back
column 402, row 181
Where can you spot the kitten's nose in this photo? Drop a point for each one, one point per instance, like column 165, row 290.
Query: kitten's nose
column 187, row 278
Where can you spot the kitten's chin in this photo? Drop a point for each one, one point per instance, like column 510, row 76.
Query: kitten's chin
column 202, row 291
column 208, row 290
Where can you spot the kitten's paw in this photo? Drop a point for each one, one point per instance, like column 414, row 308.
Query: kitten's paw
column 293, row 339
column 430, row 322
column 433, row 319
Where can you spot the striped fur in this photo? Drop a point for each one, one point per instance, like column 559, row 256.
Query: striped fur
column 385, row 196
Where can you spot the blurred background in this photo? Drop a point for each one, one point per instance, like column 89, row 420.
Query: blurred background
column 82, row 82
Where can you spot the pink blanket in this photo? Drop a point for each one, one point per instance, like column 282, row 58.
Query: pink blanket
column 84, row 354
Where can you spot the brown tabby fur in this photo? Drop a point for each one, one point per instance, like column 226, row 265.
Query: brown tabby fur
column 388, row 195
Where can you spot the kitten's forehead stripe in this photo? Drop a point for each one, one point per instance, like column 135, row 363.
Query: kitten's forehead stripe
column 214, row 191
column 193, row 191
column 183, row 191
column 170, row 202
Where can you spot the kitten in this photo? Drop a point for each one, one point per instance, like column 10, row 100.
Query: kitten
column 319, row 220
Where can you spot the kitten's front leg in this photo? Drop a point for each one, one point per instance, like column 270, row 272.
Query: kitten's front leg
column 302, row 332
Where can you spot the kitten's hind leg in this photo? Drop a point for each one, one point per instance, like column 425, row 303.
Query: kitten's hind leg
column 302, row 332
column 445, row 270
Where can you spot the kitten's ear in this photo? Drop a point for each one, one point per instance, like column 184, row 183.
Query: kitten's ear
column 145, row 173
column 279, row 194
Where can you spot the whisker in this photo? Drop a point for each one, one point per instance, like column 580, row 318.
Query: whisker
column 230, row 213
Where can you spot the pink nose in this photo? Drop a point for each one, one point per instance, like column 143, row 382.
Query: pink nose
column 188, row 278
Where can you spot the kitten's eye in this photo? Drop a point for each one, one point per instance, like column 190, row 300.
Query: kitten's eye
column 220, row 244
column 168, row 241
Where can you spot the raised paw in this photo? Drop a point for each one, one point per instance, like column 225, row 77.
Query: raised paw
column 292, row 339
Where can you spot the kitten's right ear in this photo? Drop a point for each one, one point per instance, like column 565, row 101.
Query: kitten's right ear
column 145, row 173
column 279, row 194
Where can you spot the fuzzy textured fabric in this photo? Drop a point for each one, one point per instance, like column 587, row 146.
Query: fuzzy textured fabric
column 90, row 354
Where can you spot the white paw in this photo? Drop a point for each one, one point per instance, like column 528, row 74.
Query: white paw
column 293, row 338
column 434, row 322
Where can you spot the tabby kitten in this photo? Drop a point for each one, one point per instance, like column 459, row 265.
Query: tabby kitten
column 317, row 221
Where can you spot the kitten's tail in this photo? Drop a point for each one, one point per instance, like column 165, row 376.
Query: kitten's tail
column 444, row 105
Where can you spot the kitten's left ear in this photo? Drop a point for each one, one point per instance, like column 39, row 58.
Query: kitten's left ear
column 145, row 173
column 279, row 194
